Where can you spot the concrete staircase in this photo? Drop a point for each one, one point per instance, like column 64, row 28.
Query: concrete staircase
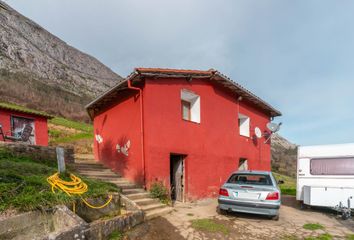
column 86, row 166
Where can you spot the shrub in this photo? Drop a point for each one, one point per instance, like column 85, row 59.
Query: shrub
column 158, row 190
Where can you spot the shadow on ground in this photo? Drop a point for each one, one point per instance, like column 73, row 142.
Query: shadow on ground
column 156, row 229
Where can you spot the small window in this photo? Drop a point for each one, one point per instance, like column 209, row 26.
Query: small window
column 250, row 179
column 18, row 124
column 186, row 110
column 190, row 103
column 332, row 166
column 244, row 125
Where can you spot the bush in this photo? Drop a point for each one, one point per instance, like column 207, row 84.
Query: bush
column 158, row 190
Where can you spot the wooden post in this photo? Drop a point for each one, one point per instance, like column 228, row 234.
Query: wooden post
column 60, row 159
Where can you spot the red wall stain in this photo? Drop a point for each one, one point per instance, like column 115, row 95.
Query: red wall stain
column 40, row 125
column 212, row 147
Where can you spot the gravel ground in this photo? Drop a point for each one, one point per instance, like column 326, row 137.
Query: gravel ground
column 177, row 225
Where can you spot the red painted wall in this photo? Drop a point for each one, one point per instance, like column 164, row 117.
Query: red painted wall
column 118, row 124
column 213, row 146
column 40, row 125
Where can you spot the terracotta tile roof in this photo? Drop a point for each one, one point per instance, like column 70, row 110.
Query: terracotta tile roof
column 174, row 71
column 208, row 75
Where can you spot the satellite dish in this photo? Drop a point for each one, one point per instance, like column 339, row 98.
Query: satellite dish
column 273, row 127
column 258, row 132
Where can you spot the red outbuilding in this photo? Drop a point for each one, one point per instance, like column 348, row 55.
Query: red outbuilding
column 14, row 118
column 186, row 128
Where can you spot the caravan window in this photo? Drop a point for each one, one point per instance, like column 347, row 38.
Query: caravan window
column 332, row 166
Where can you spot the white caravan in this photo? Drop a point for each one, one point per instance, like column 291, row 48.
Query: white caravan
column 325, row 176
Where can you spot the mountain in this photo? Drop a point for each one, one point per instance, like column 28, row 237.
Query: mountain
column 284, row 156
column 39, row 70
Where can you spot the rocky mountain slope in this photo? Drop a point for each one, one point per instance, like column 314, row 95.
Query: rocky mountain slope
column 38, row 68
column 284, row 156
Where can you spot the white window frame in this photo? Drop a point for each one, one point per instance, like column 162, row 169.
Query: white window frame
column 244, row 125
column 194, row 100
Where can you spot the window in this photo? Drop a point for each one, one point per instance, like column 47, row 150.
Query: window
column 332, row 166
column 190, row 104
column 244, row 125
column 186, row 110
column 250, row 179
column 17, row 125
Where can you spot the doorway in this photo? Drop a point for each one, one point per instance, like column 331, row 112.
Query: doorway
column 177, row 177
column 243, row 164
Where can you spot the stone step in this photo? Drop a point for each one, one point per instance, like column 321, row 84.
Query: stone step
column 121, row 181
column 97, row 173
column 151, row 207
column 103, row 178
column 87, row 162
column 89, row 165
column 84, row 156
column 157, row 212
column 133, row 190
column 100, row 169
column 146, row 201
column 126, row 185
column 135, row 196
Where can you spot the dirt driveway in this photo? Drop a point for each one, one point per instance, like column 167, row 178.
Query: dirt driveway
column 201, row 221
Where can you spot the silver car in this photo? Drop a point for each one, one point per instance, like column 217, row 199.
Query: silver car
column 254, row 192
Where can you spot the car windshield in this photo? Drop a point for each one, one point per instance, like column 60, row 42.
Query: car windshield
column 250, row 179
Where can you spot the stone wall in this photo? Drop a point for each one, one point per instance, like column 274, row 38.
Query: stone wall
column 38, row 153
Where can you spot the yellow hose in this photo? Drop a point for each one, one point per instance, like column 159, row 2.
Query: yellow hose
column 75, row 187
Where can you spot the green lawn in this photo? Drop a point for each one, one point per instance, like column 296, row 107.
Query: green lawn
column 81, row 131
column 23, row 184
column 289, row 185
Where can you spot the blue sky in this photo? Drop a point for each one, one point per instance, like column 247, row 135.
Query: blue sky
column 296, row 55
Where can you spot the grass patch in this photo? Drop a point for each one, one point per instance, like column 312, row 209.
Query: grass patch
column 289, row 185
column 72, row 138
column 313, row 226
column 349, row 237
column 56, row 136
column 24, row 186
column 116, row 235
column 71, row 124
column 289, row 237
column 209, row 225
column 325, row 236
column 190, row 214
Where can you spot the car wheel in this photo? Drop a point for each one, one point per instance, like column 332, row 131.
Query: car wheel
column 346, row 215
column 275, row 218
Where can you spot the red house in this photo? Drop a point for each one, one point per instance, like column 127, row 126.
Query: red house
column 187, row 128
column 13, row 118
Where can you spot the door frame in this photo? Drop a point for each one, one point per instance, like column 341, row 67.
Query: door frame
column 183, row 160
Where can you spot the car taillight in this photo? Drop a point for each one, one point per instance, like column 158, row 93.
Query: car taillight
column 223, row 192
column 273, row 196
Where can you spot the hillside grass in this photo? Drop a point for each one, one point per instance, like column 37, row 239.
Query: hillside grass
column 81, row 131
column 23, row 184
column 289, row 185
column 85, row 127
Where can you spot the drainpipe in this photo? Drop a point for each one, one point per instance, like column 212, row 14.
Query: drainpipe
column 141, row 127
